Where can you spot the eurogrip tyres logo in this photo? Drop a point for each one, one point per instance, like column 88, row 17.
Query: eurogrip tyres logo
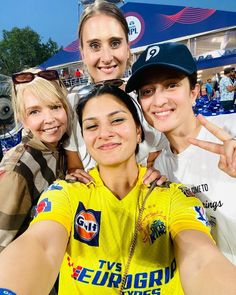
column 136, row 26
column 87, row 225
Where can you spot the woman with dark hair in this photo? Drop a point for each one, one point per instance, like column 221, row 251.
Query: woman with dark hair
column 167, row 94
column 116, row 234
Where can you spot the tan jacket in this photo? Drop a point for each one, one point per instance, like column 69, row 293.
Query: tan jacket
column 28, row 169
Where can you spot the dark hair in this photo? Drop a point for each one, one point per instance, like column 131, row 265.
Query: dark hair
column 192, row 80
column 116, row 92
column 102, row 7
column 159, row 69
column 227, row 71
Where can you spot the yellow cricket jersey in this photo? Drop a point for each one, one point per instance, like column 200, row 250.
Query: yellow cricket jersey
column 100, row 229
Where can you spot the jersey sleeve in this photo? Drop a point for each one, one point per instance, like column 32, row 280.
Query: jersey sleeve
column 187, row 212
column 54, row 205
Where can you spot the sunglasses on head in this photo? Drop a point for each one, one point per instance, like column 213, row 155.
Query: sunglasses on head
column 26, row 77
column 91, row 87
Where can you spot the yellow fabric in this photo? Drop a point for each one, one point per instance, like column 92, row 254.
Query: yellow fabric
column 95, row 264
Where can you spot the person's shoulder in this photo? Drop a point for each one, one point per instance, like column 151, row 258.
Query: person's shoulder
column 223, row 79
column 58, row 186
column 170, row 185
column 176, row 190
column 12, row 157
column 69, row 184
column 228, row 80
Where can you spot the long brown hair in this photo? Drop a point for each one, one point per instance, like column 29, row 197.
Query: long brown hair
column 102, row 7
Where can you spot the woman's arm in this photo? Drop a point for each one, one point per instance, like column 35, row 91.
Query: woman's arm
column 203, row 268
column 31, row 263
column 151, row 158
column 73, row 161
column 226, row 150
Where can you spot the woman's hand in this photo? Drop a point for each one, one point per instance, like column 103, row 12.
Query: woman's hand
column 153, row 175
column 78, row 175
column 82, row 176
column 226, row 150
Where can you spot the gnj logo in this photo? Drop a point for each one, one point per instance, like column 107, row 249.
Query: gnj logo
column 136, row 26
column 87, row 225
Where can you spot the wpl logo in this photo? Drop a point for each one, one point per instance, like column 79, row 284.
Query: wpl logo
column 136, row 26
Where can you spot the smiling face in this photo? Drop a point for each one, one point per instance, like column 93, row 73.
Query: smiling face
column 47, row 121
column 105, row 50
column 166, row 100
column 111, row 135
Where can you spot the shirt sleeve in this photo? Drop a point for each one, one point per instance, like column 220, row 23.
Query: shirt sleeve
column 15, row 205
column 187, row 212
column 54, row 204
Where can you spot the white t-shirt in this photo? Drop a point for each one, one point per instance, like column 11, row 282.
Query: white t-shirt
column 198, row 169
column 154, row 141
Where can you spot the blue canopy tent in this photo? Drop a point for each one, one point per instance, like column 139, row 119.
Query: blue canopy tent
column 67, row 55
column 153, row 23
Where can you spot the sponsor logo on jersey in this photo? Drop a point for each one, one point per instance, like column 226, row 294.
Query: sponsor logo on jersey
column 200, row 215
column 54, row 187
column 158, row 229
column 43, row 206
column 87, row 225
column 108, row 274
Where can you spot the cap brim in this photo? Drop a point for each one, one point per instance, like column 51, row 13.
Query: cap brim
column 136, row 79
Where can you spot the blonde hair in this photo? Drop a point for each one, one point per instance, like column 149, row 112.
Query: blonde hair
column 46, row 91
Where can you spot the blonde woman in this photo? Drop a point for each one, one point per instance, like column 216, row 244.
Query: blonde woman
column 40, row 104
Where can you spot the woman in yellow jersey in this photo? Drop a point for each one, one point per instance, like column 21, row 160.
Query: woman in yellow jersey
column 116, row 235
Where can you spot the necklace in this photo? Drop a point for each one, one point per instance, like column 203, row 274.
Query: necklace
column 134, row 239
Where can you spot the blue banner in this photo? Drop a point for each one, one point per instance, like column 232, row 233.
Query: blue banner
column 153, row 23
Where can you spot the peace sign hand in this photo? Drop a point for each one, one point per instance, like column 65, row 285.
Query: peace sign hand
column 226, row 150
